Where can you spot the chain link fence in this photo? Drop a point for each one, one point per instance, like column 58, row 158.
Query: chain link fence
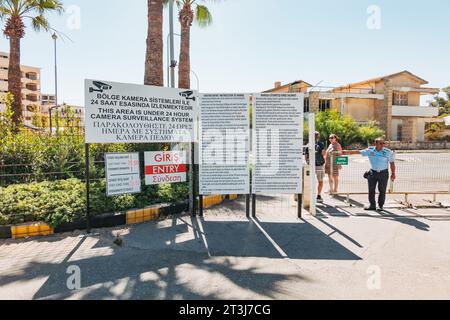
column 42, row 177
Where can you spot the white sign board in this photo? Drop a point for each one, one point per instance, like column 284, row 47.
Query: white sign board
column 224, row 144
column 277, row 143
column 122, row 173
column 165, row 167
column 120, row 112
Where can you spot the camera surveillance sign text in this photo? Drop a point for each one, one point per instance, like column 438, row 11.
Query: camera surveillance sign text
column 119, row 112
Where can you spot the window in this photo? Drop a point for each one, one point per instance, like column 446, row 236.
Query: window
column 306, row 105
column 400, row 99
column 400, row 132
column 324, row 105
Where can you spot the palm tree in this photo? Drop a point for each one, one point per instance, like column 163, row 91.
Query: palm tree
column 186, row 16
column 13, row 13
column 154, row 55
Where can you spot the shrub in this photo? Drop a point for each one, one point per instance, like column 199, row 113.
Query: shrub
column 52, row 202
column 62, row 201
column 348, row 131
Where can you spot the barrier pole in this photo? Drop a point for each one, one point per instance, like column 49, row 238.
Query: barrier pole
column 193, row 194
column 312, row 162
column 247, row 205
column 87, row 177
column 254, row 205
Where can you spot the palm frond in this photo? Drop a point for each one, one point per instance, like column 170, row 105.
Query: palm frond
column 39, row 23
column 202, row 16
column 42, row 6
column 4, row 12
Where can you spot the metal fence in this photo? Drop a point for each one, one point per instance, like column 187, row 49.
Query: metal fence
column 417, row 173
column 42, row 177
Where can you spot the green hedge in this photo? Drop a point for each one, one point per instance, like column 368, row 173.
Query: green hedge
column 64, row 201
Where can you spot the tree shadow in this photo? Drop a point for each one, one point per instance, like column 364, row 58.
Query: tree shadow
column 157, row 262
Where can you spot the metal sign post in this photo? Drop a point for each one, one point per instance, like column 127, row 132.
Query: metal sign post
column 192, row 174
column 87, row 177
column 312, row 162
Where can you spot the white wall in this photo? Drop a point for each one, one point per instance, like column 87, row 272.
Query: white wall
column 420, row 130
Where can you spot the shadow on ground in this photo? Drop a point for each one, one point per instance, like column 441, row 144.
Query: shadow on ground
column 182, row 258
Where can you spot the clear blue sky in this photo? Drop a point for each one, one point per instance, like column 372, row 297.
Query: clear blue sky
column 252, row 43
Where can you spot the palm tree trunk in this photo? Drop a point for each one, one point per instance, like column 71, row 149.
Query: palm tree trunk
column 154, row 55
column 186, row 17
column 14, row 78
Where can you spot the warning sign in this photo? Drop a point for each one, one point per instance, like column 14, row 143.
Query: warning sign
column 122, row 173
column 165, row 167
column 129, row 113
column 224, row 144
column 277, row 143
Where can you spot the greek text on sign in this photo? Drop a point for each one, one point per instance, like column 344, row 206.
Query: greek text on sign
column 277, row 143
column 120, row 112
column 122, row 173
column 224, row 144
column 165, row 167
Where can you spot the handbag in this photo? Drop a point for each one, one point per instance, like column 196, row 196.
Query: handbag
column 366, row 174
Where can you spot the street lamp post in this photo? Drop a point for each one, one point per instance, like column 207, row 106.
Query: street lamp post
column 198, row 82
column 55, row 37
column 171, row 62
column 50, row 120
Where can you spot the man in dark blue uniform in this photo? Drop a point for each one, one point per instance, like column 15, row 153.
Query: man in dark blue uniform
column 381, row 159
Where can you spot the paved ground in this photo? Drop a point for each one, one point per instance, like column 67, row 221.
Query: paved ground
column 342, row 253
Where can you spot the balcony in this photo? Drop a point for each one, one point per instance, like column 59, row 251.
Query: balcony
column 31, row 76
column 31, row 86
column 414, row 111
column 32, row 97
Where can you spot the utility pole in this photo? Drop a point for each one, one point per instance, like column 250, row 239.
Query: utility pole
column 172, row 53
column 55, row 37
column 191, row 147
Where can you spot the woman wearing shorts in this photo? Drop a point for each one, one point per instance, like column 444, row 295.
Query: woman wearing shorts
column 331, row 169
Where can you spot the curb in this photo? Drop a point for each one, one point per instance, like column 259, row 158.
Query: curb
column 129, row 217
column 209, row 201
column 31, row 230
column 5, row 232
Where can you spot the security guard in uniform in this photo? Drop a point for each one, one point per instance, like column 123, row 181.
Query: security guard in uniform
column 381, row 159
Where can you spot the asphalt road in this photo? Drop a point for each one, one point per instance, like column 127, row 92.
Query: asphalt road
column 342, row 253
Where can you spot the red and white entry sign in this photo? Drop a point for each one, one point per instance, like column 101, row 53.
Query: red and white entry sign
column 165, row 167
